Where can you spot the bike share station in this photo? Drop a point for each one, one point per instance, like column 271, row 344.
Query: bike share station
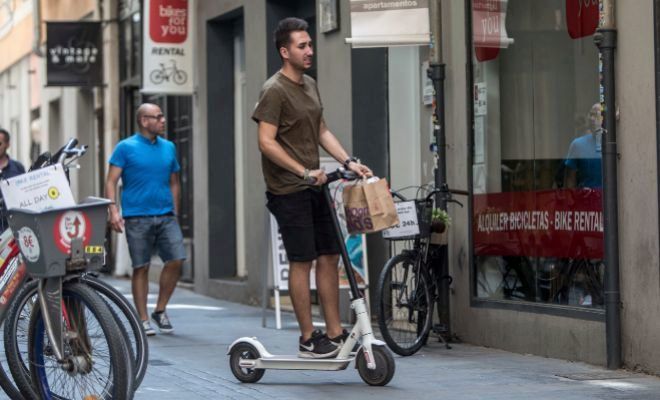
column 57, row 239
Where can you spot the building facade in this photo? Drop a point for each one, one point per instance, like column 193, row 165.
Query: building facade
column 522, row 79
column 513, row 119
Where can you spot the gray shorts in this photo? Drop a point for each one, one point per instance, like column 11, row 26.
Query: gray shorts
column 148, row 234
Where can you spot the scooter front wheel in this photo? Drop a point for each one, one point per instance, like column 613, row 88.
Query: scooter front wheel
column 244, row 351
column 385, row 366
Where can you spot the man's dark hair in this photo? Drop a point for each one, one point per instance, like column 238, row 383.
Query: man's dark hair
column 282, row 34
column 6, row 133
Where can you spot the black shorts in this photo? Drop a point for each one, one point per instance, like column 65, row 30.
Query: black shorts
column 305, row 224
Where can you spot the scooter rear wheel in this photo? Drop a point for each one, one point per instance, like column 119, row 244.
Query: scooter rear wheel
column 244, row 351
column 385, row 366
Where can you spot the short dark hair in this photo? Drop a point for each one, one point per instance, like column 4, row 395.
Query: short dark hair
column 282, row 34
column 6, row 133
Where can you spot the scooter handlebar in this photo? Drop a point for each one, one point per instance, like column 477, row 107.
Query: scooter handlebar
column 341, row 173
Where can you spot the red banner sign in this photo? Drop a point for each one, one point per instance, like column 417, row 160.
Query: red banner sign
column 488, row 29
column 582, row 17
column 168, row 21
column 552, row 223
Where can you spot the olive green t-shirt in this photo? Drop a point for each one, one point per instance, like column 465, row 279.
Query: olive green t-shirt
column 296, row 109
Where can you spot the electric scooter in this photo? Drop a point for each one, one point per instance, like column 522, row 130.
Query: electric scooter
column 249, row 359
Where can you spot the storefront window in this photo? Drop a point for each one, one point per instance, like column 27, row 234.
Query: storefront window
column 536, row 161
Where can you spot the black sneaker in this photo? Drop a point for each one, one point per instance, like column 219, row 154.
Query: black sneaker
column 318, row 346
column 341, row 339
column 162, row 322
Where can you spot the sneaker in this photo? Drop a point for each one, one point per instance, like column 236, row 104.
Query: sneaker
column 318, row 346
column 341, row 339
column 162, row 322
column 148, row 330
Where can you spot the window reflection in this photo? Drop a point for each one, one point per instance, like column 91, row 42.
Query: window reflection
column 537, row 209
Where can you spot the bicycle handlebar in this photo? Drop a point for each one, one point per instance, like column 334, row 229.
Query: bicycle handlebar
column 443, row 190
column 63, row 152
column 67, row 151
column 398, row 196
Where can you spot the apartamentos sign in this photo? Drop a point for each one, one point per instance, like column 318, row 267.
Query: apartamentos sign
column 384, row 23
column 168, row 45
column 74, row 54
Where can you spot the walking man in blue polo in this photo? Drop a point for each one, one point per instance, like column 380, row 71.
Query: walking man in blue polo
column 147, row 165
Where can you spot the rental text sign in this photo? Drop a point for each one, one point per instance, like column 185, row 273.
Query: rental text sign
column 552, row 223
column 168, row 30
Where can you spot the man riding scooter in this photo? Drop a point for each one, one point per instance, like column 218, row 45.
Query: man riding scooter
column 291, row 129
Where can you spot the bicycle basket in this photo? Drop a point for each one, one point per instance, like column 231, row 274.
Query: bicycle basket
column 45, row 237
column 424, row 212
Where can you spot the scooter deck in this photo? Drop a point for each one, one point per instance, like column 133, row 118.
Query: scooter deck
column 294, row 362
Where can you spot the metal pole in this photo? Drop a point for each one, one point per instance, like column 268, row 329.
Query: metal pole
column 436, row 73
column 606, row 40
column 656, row 34
column 36, row 21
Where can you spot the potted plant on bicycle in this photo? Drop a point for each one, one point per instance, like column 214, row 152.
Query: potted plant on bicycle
column 440, row 223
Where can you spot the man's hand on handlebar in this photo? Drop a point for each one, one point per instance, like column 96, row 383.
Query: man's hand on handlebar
column 317, row 177
column 360, row 169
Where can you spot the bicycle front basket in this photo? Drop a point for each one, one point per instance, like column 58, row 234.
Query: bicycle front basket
column 44, row 238
column 424, row 216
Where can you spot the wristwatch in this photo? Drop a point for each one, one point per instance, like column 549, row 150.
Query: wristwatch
column 349, row 160
column 305, row 176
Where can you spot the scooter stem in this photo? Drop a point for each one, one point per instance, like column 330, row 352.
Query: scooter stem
column 350, row 274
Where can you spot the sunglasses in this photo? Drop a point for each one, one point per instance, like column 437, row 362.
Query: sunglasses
column 157, row 117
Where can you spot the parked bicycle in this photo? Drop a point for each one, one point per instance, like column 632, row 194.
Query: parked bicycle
column 408, row 287
column 79, row 346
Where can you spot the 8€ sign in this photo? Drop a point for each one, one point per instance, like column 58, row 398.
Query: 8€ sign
column 71, row 225
column 29, row 244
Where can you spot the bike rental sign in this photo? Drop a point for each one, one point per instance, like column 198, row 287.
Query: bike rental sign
column 168, row 47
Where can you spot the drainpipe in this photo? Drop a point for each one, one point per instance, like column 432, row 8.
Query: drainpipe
column 656, row 14
column 436, row 73
column 606, row 42
column 36, row 22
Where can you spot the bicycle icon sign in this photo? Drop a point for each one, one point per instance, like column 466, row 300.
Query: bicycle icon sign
column 178, row 76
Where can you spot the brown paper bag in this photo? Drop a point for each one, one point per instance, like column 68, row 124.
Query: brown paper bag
column 369, row 207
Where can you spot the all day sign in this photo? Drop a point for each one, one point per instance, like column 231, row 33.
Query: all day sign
column 40, row 190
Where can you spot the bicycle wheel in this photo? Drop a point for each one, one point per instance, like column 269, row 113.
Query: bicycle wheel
column 156, row 76
column 96, row 356
column 6, row 380
column 180, row 77
column 580, row 284
column 15, row 337
column 404, row 306
column 129, row 319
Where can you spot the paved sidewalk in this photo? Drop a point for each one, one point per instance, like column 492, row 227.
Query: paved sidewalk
column 192, row 364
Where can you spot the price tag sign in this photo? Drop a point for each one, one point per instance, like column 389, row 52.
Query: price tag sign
column 408, row 225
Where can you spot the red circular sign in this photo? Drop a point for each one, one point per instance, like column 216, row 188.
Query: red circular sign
column 71, row 225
